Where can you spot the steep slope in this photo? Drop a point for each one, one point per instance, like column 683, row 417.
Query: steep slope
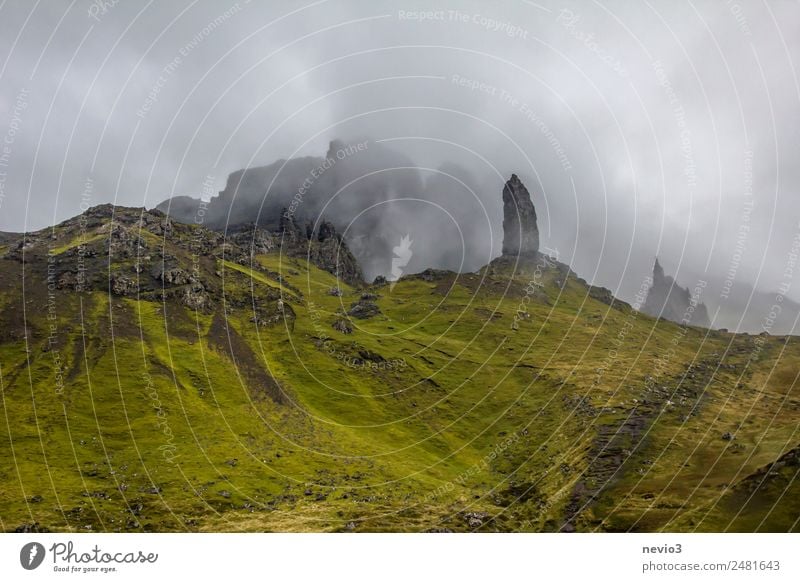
column 766, row 500
column 158, row 376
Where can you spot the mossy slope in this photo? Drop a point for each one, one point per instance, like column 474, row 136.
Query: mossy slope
column 162, row 377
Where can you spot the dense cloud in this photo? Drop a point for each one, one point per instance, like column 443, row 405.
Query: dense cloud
column 648, row 129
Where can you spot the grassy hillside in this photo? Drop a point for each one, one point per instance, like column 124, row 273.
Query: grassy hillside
column 161, row 377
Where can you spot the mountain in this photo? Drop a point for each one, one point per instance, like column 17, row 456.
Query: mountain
column 252, row 195
column 373, row 195
column 739, row 307
column 734, row 304
column 159, row 376
column 184, row 209
column 350, row 181
column 667, row 299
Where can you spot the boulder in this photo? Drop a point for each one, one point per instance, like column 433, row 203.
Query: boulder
column 363, row 310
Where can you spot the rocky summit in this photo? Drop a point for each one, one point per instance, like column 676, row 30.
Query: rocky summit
column 520, row 232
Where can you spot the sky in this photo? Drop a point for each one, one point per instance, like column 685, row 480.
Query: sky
column 655, row 128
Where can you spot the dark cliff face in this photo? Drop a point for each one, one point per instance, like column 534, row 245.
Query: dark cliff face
column 520, row 232
column 251, row 195
column 669, row 300
column 320, row 244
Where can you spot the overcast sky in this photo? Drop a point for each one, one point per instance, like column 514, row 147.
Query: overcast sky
column 641, row 128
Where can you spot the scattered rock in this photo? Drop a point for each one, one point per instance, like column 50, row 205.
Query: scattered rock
column 31, row 528
column 123, row 286
column 343, row 325
column 430, row 275
column 363, row 310
column 171, row 275
column 95, row 494
column 195, row 297
column 371, row 356
column 475, row 518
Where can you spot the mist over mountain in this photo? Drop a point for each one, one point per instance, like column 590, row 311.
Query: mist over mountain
column 737, row 306
column 374, row 195
column 630, row 126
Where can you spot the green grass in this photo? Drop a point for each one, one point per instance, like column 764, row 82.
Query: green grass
column 158, row 428
column 76, row 242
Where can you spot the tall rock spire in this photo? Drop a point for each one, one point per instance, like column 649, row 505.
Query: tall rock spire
column 667, row 299
column 520, row 233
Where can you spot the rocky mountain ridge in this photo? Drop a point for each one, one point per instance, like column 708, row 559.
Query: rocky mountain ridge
column 667, row 299
column 134, row 252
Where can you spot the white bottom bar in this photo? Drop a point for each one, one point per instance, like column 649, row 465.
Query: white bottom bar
column 373, row 557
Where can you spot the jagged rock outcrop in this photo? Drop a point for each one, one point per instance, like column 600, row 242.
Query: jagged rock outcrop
column 669, row 300
column 289, row 229
column 520, row 232
column 170, row 274
column 330, row 253
column 322, row 245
